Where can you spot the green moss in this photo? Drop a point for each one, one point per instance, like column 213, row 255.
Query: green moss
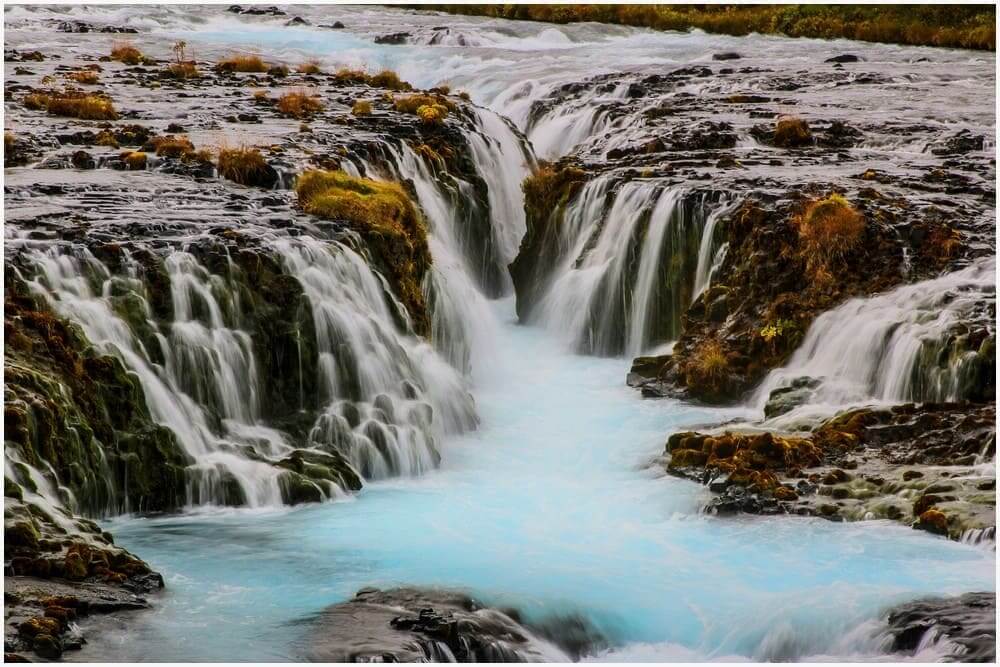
column 385, row 215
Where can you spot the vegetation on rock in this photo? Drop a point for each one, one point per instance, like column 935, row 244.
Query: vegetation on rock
column 126, row 52
column 245, row 165
column 73, row 104
column 242, row 63
column 299, row 104
column 968, row 27
column 385, row 215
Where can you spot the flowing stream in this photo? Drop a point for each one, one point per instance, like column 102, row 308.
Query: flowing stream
column 553, row 504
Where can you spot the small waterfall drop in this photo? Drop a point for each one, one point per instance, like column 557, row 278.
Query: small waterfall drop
column 895, row 346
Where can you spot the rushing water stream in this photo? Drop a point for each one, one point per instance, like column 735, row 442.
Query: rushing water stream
column 547, row 507
column 552, row 505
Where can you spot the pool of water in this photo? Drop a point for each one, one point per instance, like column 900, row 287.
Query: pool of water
column 552, row 507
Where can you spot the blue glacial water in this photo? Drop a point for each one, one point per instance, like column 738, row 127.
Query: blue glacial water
column 550, row 507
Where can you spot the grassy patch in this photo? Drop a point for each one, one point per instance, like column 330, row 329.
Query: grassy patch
column 73, row 104
column 84, row 76
column 968, row 26
column 186, row 69
column 242, row 63
column 244, row 165
column 125, row 52
column 299, row 104
column 361, row 108
column 309, row 67
column 384, row 79
column 829, row 229
column 791, row 132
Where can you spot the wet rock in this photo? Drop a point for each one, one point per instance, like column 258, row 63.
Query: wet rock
column 297, row 20
column 256, row 10
column 960, row 143
column 967, row 622
column 785, row 399
column 844, row 58
column 394, row 38
column 726, row 55
column 418, row 625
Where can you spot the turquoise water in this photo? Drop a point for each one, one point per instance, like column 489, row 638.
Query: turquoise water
column 550, row 507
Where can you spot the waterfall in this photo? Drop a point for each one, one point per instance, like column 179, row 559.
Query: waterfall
column 904, row 345
column 626, row 275
column 203, row 355
column 388, row 394
column 710, row 253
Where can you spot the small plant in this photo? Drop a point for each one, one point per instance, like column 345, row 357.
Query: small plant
column 299, row 104
column 242, row 63
column 182, row 68
column 348, row 75
column 432, row 114
column 134, row 160
column 829, row 229
column 178, row 49
column 412, row 103
column 389, row 79
column 280, row 71
column 106, row 138
column 791, row 132
column 710, row 361
column 126, row 52
column 85, row 76
column 261, row 97
column 778, row 329
column 172, row 146
column 362, row 108
column 244, row 165
column 309, row 67
column 73, row 104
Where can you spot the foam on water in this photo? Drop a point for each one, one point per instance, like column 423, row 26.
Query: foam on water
column 548, row 507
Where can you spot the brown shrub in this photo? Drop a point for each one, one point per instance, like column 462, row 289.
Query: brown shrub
column 84, row 76
column 186, row 69
column 73, row 104
column 126, row 52
column 242, row 63
column 829, row 229
column 299, row 104
column 135, row 160
column 244, row 165
column 172, row 146
column 791, row 132
column 389, row 79
column 308, row 67
column 361, row 108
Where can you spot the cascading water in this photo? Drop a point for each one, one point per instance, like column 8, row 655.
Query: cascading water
column 904, row 345
column 202, row 354
column 389, row 395
column 630, row 271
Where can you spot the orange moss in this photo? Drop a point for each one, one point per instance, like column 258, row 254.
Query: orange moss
column 829, row 229
column 791, row 132
column 135, row 160
column 86, row 77
column 73, row 104
column 361, row 108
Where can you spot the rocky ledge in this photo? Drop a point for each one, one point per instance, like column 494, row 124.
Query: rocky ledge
column 925, row 466
column 431, row 625
column 964, row 627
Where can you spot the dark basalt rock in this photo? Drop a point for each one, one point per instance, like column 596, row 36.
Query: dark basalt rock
column 256, row 10
column 421, row 625
column 82, row 27
column 726, row 55
column 844, row 58
column 967, row 621
column 960, row 143
column 863, row 463
column 784, row 399
column 394, row 38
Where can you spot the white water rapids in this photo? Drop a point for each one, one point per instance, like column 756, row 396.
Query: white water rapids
column 543, row 498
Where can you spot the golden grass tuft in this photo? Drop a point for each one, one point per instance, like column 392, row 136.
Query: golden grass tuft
column 186, row 69
column 84, row 76
column 829, row 229
column 411, row 103
column 707, row 367
column 362, row 108
column 244, row 165
column 309, row 67
column 432, row 114
column 134, row 160
column 299, row 104
column 126, row 52
column 73, row 104
column 791, row 132
column 172, row 146
column 389, row 79
column 368, row 204
column 242, row 63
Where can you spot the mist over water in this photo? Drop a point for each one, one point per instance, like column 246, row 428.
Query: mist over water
column 553, row 504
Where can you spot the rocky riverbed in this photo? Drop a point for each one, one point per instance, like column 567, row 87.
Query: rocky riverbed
column 245, row 277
